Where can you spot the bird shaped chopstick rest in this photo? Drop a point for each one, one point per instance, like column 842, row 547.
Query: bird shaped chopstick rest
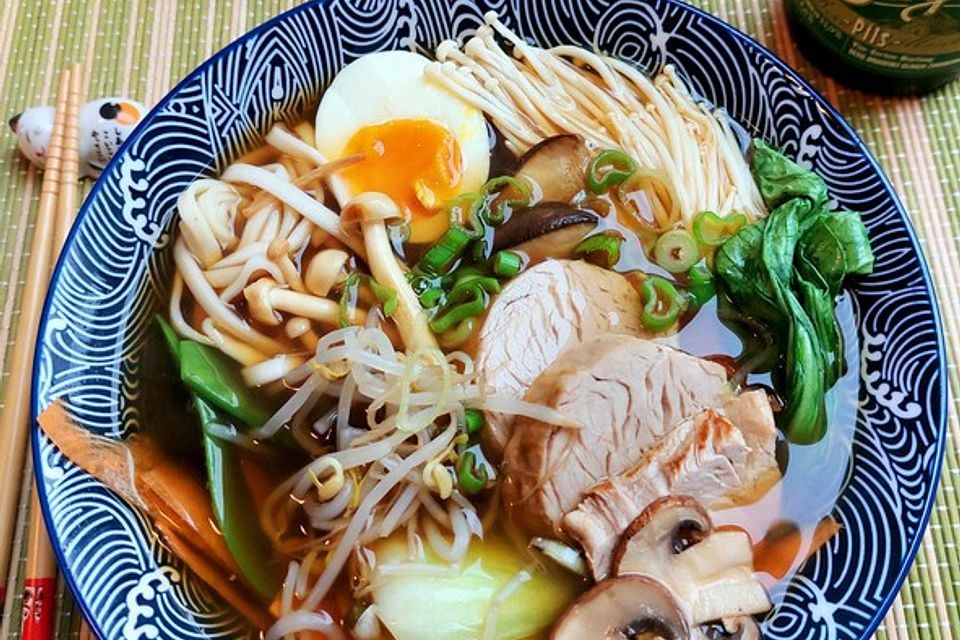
column 104, row 125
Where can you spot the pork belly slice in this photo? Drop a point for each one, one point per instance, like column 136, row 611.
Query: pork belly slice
column 708, row 456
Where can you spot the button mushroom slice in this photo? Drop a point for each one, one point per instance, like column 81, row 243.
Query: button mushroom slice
column 556, row 167
column 711, row 572
column 545, row 230
column 628, row 606
column 667, row 527
column 722, row 567
column 743, row 628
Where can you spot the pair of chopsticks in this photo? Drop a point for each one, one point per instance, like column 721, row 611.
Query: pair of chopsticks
column 58, row 204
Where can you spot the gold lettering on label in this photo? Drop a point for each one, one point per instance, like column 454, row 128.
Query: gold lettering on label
column 870, row 33
column 921, row 8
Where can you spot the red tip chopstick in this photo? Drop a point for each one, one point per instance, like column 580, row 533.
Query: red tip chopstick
column 40, row 583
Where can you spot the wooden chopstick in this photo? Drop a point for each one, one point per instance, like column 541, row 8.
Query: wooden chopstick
column 14, row 420
column 70, row 171
column 40, row 580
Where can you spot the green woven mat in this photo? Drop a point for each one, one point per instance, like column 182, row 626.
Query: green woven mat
column 141, row 49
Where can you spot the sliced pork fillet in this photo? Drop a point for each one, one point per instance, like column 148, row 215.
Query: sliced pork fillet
column 706, row 456
column 626, row 392
column 547, row 309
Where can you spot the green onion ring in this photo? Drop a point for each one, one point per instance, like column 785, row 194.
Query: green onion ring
column 608, row 169
column 471, row 476
column 662, row 304
column 676, row 251
column 712, row 230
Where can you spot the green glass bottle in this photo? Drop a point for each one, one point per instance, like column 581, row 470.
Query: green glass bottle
column 886, row 46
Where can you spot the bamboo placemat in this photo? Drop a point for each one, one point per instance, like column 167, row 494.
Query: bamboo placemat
column 141, row 48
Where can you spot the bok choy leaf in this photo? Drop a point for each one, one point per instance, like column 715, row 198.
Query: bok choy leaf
column 783, row 275
column 781, row 179
column 835, row 246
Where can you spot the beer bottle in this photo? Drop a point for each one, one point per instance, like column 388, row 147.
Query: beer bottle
column 885, row 46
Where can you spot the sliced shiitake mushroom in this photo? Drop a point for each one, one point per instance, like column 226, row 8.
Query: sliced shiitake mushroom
column 628, row 606
column 668, row 526
column 556, row 167
column 547, row 229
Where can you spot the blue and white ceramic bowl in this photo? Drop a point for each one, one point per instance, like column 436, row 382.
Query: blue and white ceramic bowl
column 113, row 277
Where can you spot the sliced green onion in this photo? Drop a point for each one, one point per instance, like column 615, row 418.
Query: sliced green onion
column 602, row 249
column 441, row 256
column 483, row 246
column 386, row 296
column 507, row 264
column 712, row 230
column 472, row 474
column 661, row 303
column 608, row 169
column 457, row 335
column 497, row 187
column 456, row 315
column 418, row 281
column 480, row 250
column 473, row 421
column 469, row 283
column 348, row 298
column 467, row 299
column 676, row 251
column 701, row 285
column 465, row 213
column 430, row 297
column 465, row 274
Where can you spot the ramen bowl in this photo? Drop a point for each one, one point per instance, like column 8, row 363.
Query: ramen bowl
column 97, row 351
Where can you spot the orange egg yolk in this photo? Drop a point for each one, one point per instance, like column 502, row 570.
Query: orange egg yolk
column 415, row 162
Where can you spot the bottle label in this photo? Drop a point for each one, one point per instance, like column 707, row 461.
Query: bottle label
column 900, row 36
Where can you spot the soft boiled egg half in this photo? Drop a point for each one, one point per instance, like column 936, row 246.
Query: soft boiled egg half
column 420, row 144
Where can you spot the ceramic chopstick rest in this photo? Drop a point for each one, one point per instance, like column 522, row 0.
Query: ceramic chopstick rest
column 104, row 125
